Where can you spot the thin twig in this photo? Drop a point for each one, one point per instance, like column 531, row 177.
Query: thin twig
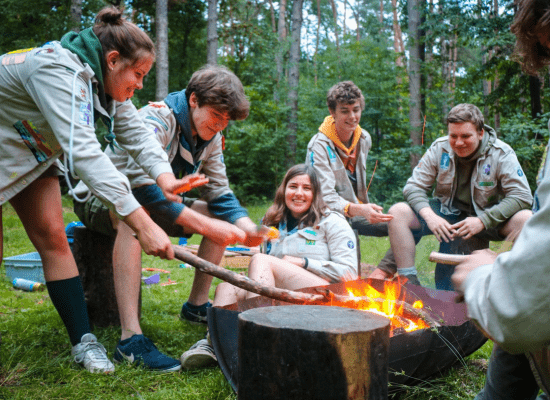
column 373, row 171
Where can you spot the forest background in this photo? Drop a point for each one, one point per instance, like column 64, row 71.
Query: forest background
column 413, row 60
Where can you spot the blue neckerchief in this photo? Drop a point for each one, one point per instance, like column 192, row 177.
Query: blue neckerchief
column 179, row 104
column 282, row 234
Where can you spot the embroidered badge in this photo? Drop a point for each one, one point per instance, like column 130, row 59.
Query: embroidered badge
column 331, row 155
column 487, row 169
column 221, row 158
column 310, row 242
column 311, row 158
column 350, row 244
column 34, row 140
column 520, row 172
column 445, row 161
column 85, row 115
column 310, row 232
column 486, row 183
column 157, row 120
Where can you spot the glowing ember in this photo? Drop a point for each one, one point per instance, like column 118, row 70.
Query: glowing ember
column 389, row 306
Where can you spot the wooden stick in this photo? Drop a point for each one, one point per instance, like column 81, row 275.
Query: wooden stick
column 244, row 282
column 324, row 297
column 449, row 259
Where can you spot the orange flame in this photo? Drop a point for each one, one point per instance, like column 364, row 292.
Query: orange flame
column 389, row 307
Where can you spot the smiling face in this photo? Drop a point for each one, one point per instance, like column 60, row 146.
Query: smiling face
column 121, row 79
column 346, row 118
column 206, row 121
column 298, row 195
column 464, row 138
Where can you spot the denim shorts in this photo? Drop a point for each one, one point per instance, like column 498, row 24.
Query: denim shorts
column 95, row 215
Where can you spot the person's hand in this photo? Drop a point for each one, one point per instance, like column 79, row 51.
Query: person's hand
column 371, row 212
column 440, row 227
column 191, row 182
column 170, row 185
column 254, row 235
column 153, row 240
column 299, row 261
column 471, row 262
column 224, row 233
column 468, row 227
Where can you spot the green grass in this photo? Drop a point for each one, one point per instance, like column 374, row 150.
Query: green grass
column 35, row 361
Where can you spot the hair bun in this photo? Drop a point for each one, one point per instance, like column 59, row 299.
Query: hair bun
column 110, row 15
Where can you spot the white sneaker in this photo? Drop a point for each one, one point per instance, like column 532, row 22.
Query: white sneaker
column 200, row 355
column 92, row 355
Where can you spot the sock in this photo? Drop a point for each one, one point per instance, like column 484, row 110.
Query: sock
column 407, row 271
column 195, row 308
column 68, row 298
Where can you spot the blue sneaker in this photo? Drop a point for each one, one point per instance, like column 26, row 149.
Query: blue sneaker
column 195, row 315
column 140, row 350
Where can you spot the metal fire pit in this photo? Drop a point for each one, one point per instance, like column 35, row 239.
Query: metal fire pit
column 414, row 356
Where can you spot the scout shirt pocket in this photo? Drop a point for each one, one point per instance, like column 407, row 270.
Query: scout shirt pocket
column 485, row 186
column 445, row 177
column 309, row 243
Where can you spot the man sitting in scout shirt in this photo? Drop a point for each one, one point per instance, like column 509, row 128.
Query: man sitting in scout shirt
column 480, row 190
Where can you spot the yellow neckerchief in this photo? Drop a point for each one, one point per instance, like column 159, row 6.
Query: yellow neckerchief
column 329, row 129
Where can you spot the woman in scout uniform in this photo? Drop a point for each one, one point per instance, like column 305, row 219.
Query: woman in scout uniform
column 50, row 98
column 315, row 247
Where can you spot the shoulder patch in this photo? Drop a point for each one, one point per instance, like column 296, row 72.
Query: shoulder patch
column 331, row 155
column 445, row 161
column 520, row 172
column 350, row 244
column 157, row 120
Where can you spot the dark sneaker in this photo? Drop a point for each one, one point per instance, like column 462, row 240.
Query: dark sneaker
column 195, row 315
column 200, row 355
column 412, row 279
column 140, row 350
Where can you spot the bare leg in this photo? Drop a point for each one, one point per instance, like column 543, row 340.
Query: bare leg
column 227, row 294
column 272, row 271
column 513, row 227
column 401, row 238
column 39, row 209
column 209, row 251
column 127, row 278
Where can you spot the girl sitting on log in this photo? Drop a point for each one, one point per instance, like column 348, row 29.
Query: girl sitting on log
column 315, row 247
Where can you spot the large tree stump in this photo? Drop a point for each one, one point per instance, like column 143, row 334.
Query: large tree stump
column 312, row 352
column 93, row 253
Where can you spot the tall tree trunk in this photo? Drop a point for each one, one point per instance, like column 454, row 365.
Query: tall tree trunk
column 335, row 15
column 415, row 8
column 317, row 39
column 398, row 46
column 272, row 12
column 534, row 89
column 293, row 80
column 381, row 17
column 212, row 33
column 76, row 14
column 279, row 56
column 496, row 81
column 161, row 19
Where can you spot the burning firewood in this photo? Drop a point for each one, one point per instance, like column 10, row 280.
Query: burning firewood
column 325, row 296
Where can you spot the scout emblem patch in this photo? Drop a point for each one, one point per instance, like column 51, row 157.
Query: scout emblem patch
column 445, row 161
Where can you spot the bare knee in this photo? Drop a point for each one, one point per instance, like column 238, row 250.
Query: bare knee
column 518, row 220
column 402, row 213
column 257, row 264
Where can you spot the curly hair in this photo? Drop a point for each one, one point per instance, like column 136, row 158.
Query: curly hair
column 531, row 21
column 345, row 92
column 279, row 210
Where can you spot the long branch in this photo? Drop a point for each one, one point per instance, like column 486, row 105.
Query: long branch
column 325, row 296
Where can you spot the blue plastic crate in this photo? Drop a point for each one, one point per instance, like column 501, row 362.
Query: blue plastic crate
column 27, row 266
